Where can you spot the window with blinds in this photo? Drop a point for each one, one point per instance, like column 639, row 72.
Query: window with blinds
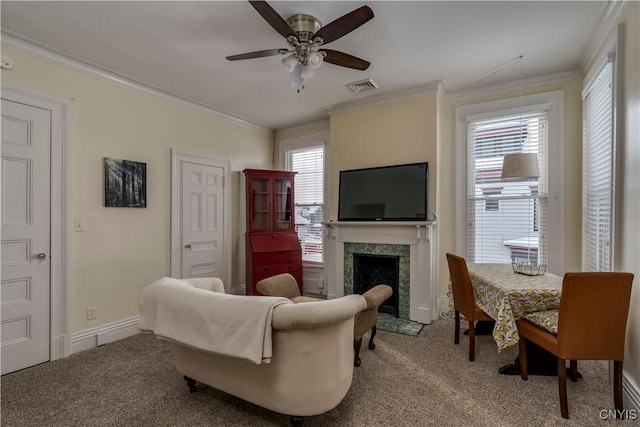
column 597, row 172
column 309, row 198
column 506, row 220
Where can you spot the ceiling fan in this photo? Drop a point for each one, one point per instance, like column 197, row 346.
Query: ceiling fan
column 305, row 35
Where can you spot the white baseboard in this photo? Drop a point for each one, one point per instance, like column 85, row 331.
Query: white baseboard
column 313, row 280
column 631, row 394
column 104, row 334
column 443, row 307
column 60, row 347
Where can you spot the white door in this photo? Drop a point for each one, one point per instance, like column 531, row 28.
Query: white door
column 202, row 221
column 25, row 218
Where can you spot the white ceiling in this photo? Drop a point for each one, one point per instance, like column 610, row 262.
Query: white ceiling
column 180, row 47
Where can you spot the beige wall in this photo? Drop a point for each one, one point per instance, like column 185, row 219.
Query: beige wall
column 304, row 131
column 122, row 250
column 389, row 133
column 298, row 133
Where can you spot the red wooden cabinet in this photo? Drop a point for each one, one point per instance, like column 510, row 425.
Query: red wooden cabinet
column 272, row 242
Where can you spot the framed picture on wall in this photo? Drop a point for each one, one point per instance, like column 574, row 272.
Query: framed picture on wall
column 125, row 183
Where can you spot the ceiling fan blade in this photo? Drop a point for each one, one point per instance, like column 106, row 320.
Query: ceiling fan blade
column 273, row 18
column 257, row 54
column 345, row 60
column 296, row 76
column 344, row 25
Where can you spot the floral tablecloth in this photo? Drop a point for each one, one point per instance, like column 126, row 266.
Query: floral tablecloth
column 507, row 296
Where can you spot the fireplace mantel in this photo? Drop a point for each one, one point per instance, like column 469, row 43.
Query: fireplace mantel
column 421, row 239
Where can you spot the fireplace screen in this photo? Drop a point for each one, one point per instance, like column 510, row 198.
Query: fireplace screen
column 372, row 270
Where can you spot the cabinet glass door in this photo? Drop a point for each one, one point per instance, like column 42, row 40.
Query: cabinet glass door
column 283, row 205
column 259, row 204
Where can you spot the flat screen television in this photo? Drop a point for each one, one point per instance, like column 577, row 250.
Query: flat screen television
column 388, row 193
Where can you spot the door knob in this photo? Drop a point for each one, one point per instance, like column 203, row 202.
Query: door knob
column 188, row 246
column 41, row 256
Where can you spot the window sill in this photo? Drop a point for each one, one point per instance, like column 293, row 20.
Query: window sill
column 312, row 264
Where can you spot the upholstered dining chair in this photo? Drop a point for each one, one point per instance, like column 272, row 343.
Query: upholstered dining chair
column 589, row 325
column 463, row 301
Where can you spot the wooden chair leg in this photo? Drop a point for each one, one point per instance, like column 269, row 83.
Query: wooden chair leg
column 574, row 370
column 191, row 383
column 356, row 349
column 617, row 387
column 295, row 420
column 562, row 387
column 522, row 348
column 373, row 334
column 472, row 342
column 456, row 333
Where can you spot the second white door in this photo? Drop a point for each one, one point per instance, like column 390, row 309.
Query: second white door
column 26, row 145
column 203, row 233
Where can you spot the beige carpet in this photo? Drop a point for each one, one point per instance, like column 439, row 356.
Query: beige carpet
column 405, row 381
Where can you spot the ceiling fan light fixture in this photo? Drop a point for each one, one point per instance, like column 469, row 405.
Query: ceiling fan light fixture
column 305, row 35
column 289, row 62
column 315, row 60
column 307, row 71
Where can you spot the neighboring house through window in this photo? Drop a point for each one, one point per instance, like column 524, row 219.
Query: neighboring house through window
column 502, row 221
column 491, row 204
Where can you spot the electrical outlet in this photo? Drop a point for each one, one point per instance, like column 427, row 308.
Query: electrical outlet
column 6, row 63
column 78, row 225
column 91, row 313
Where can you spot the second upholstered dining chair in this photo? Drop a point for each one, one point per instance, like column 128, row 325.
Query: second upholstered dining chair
column 463, row 300
column 589, row 325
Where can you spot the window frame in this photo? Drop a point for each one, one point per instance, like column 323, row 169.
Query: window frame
column 610, row 57
column 555, row 223
column 314, row 140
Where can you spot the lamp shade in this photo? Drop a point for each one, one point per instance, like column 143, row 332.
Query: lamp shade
column 520, row 166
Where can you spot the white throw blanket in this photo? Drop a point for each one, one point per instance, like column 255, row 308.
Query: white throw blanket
column 229, row 325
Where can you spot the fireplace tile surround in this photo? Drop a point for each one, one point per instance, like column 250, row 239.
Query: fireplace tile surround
column 414, row 242
column 401, row 251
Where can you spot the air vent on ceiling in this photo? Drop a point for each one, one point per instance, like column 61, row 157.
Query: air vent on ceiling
column 362, row 85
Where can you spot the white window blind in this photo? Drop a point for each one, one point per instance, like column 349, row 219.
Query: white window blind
column 597, row 173
column 309, row 198
column 506, row 220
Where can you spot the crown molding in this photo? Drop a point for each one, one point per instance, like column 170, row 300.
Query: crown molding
column 19, row 42
column 380, row 98
column 598, row 37
column 515, row 84
column 320, row 125
column 442, row 89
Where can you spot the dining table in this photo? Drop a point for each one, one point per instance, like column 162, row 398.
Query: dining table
column 506, row 296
